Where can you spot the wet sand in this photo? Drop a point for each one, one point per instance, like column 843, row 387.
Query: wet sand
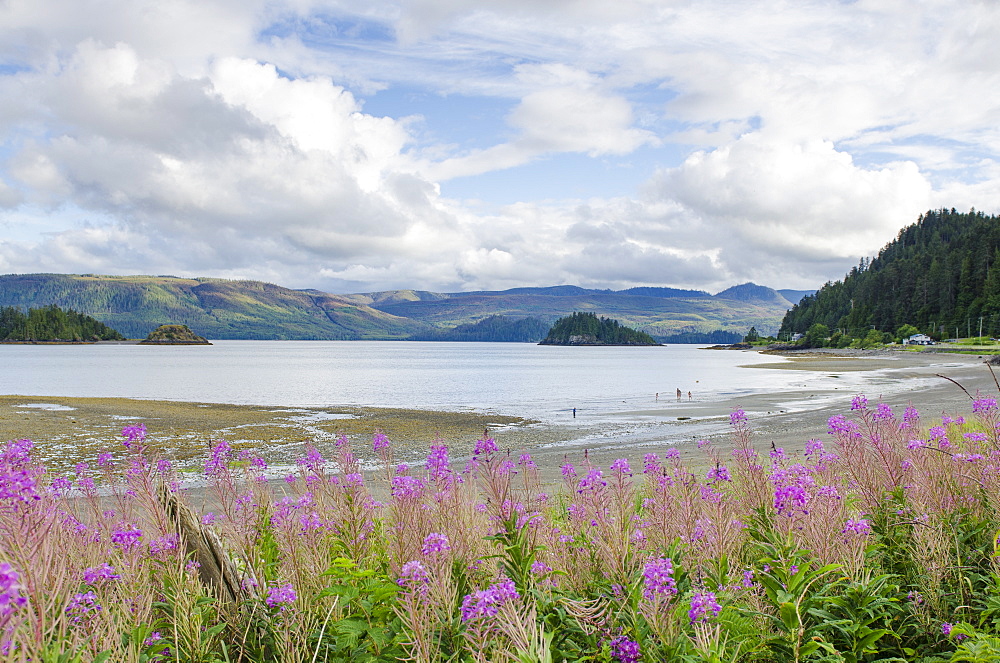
column 70, row 430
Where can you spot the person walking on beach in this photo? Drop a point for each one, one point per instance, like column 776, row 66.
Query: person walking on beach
column 678, row 393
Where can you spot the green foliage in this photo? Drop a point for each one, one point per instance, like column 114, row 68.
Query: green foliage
column 51, row 323
column 588, row 329
column 367, row 628
column 716, row 337
column 752, row 336
column 940, row 275
column 816, row 337
column 494, row 328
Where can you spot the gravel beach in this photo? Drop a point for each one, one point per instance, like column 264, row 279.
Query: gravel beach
column 70, row 430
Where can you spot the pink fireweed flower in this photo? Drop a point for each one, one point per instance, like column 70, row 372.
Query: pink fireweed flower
column 280, row 596
column 95, row 574
column 540, row 568
column 380, row 441
column 737, row 416
column 484, row 447
column 487, row 603
column 883, row 412
column 838, row 424
column 718, row 473
column 18, row 485
column 435, row 543
column 593, row 481
column 527, row 462
column 860, row 526
column 313, row 461
column 621, row 466
column 704, row 606
column 672, row 454
column 569, row 471
column 10, row 591
column 984, row 405
column 218, row 462
column 975, row 437
column 83, row 607
column 134, row 436
column 651, row 464
column 126, row 537
column 624, row 650
column 438, row 466
column 813, row 447
column 407, row 487
column 658, row 579
column 859, row 402
column 413, row 578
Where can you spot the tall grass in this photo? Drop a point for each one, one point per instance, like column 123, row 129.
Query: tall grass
column 879, row 544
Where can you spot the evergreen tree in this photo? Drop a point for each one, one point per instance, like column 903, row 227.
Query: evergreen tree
column 941, row 272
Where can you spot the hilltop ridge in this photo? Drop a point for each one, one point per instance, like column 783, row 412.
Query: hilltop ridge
column 240, row 309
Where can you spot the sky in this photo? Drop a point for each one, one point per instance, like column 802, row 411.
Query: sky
column 453, row 145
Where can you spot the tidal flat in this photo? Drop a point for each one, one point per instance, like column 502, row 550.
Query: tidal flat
column 69, row 430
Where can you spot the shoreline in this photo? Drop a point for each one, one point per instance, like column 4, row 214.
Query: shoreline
column 68, row 430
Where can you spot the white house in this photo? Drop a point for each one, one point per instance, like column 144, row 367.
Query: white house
column 918, row 339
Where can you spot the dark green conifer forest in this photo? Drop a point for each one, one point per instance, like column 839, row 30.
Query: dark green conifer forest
column 588, row 329
column 51, row 323
column 941, row 275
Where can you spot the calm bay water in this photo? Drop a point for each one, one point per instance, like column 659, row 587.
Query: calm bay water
column 541, row 382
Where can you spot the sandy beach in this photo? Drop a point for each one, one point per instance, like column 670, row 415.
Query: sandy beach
column 70, row 430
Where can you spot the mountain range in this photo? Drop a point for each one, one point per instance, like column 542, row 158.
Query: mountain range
column 224, row 309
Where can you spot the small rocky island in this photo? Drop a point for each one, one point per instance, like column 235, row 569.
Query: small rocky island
column 588, row 329
column 173, row 335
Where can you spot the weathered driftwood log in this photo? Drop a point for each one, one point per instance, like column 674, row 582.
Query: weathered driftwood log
column 216, row 571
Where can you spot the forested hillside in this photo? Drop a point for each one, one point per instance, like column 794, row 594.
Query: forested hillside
column 51, row 323
column 495, row 328
column 217, row 308
column 588, row 329
column 942, row 275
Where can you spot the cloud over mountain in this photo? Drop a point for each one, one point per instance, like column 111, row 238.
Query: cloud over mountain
column 459, row 145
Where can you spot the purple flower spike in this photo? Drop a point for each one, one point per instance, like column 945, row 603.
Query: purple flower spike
column 280, row 596
column 704, row 606
column 435, row 543
column 859, row 402
column 621, row 466
column 134, row 435
column 10, row 586
column 484, row 447
column 984, row 405
column 658, row 578
column 737, row 416
column 380, row 442
column 413, row 578
column 624, row 650
column 95, row 574
column 83, row 607
column 487, row 603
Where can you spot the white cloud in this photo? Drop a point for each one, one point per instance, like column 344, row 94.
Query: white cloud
column 229, row 137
